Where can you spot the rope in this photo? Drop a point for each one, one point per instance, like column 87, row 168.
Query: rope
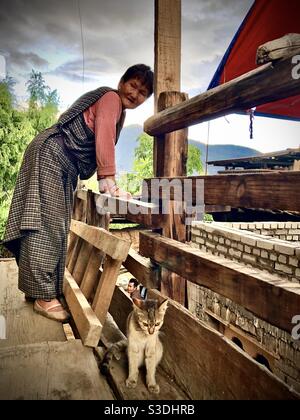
column 82, row 41
column 251, row 115
column 206, row 157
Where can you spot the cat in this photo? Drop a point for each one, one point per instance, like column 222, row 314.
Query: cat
column 143, row 343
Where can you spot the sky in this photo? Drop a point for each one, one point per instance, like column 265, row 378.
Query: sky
column 79, row 45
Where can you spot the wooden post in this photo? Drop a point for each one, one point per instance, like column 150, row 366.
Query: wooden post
column 170, row 150
column 167, row 46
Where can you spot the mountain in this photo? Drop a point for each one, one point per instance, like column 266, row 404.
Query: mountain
column 128, row 142
column 221, row 152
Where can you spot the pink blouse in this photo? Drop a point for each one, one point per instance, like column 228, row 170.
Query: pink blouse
column 102, row 118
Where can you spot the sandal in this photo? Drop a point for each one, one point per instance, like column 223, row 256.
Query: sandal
column 61, row 315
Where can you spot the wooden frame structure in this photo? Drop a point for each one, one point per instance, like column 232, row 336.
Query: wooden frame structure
column 86, row 280
column 208, row 365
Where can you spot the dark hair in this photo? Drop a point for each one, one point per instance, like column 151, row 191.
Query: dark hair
column 141, row 72
column 134, row 281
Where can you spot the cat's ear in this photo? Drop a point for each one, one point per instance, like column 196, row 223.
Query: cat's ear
column 163, row 306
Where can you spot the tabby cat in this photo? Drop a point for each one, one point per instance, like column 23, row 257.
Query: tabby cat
column 143, row 343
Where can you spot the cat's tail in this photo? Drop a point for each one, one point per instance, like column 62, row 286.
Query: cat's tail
column 114, row 351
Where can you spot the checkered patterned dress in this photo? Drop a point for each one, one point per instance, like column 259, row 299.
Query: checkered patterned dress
column 40, row 212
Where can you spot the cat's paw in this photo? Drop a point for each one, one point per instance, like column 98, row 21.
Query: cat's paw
column 131, row 383
column 153, row 388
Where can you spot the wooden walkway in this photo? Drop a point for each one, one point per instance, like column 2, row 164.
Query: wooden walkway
column 36, row 360
column 38, row 363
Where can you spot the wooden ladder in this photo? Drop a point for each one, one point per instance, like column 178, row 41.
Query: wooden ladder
column 93, row 262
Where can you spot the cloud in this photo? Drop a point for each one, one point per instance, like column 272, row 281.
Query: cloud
column 116, row 34
column 26, row 61
column 73, row 70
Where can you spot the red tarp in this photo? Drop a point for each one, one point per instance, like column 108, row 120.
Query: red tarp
column 265, row 21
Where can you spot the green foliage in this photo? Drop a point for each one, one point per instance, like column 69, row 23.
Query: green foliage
column 194, row 163
column 17, row 128
column 208, row 217
column 43, row 103
column 143, row 164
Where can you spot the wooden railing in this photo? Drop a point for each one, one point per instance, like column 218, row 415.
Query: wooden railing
column 268, row 83
column 207, row 364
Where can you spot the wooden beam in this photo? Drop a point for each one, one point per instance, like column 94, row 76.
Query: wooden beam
column 258, row 190
column 208, row 365
column 265, row 295
column 171, row 151
column 106, row 288
column 135, row 211
column 111, row 245
column 92, row 273
column 268, row 83
column 88, row 325
column 142, row 269
column 82, row 194
column 167, row 46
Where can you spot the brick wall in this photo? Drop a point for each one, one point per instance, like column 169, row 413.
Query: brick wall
column 258, row 338
column 276, row 348
column 287, row 231
column 264, row 252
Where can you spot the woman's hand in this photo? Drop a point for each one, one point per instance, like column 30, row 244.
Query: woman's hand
column 108, row 186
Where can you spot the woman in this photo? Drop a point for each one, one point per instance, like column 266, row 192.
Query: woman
column 81, row 142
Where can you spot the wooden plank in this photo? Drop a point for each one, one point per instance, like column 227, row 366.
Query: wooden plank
column 135, row 211
column 79, row 206
column 81, row 262
column 278, row 48
column 88, row 325
column 258, row 190
column 173, row 285
column 91, row 275
column 268, row 83
column 106, row 288
column 101, row 239
column 208, row 365
column 276, row 300
column 120, row 307
column 51, row 371
column 73, row 258
column 167, row 46
column 68, row 332
column 23, row 325
column 92, row 216
column 82, row 194
column 145, row 271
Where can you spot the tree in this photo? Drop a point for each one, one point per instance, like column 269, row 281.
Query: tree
column 17, row 128
column 143, row 164
column 15, row 133
column 37, row 89
column 43, row 103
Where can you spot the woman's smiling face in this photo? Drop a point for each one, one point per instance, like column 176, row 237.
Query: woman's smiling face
column 132, row 93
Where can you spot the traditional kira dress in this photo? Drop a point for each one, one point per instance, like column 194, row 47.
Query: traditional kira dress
column 40, row 212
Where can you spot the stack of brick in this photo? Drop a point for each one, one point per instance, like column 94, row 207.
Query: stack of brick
column 287, row 231
column 266, row 253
